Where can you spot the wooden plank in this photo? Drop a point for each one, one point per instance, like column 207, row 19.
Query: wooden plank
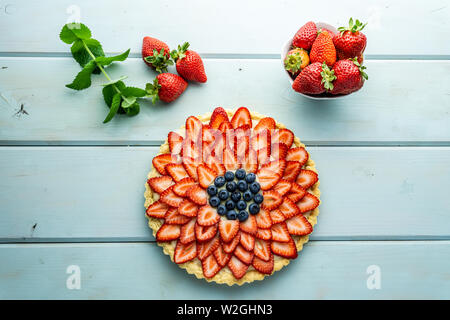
column 391, row 109
column 96, row 193
column 230, row 27
column 324, row 270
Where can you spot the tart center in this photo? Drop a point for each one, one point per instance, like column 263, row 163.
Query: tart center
column 235, row 195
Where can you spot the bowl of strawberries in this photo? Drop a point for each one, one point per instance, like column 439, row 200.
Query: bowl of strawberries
column 323, row 62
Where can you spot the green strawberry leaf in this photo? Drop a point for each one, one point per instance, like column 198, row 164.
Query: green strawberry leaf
column 159, row 60
column 83, row 78
column 115, row 104
column 104, row 61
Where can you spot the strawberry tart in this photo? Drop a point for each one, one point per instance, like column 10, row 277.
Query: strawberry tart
column 232, row 196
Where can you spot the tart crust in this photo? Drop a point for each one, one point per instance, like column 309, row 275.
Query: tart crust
column 224, row 276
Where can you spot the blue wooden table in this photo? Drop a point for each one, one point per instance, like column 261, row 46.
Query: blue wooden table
column 71, row 188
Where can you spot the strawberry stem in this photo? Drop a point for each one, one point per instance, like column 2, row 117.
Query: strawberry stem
column 180, row 53
column 327, row 77
column 159, row 60
column 293, row 62
column 152, row 90
column 353, row 26
column 361, row 68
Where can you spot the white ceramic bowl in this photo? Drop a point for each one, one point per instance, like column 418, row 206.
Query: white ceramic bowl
column 285, row 49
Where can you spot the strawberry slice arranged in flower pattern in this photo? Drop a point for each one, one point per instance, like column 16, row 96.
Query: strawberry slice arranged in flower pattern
column 208, row 151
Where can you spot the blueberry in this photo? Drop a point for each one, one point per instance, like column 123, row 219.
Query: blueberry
column 230, row 205
column 231, row 215
column 243, row 215
column 255, row 187
column 241, row 205
column 258, row 198
column 212, row 190
column 253, row 208
column 229, row 176
column 222, row 210
column 223, row 194
column 242, row 186
column 214, row 201
column 236, row 196
column 231, row 186
column 219, row 181
column 247, row 196
column 240, row 174
column 250, row 177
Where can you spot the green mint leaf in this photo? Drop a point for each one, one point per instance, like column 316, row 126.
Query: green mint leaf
column 133, row 110
column 83, row 78
column 134, row 92
column 128, row 102
column 115, row 81
column 115, row 104
column 66, row 35
column 82, row 56
column 80, row 30
column 110, row 90
column 104, row 61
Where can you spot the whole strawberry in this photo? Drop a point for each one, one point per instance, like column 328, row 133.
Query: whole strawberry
column 314, row 79
column 350, row 42
column 156, row 54
column 166, row 87
column 305, row 36
column 296, row 60
column 189, row 64
column 323, row 49
column 350, row 76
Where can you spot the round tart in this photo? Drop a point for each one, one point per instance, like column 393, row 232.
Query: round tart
column 232, row 196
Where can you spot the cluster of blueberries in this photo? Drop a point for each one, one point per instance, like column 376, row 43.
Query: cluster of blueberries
column 236, row 195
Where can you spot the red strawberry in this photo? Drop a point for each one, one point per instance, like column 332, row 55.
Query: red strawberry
column 316, row 78
column 241, row 117
column 261, row 140
column 208, row 133
column 185, row 252
column 292, row 170
column 228, row 229
column 168, row 232
column 278, row 151
column 193, row 129
column 285, row 249
column 299, row 225
column 323, row 50
column 272, row 200
column 173, row 217
column 350, row 76
column 205, row 233
column 171, row 198
column 265, row 123
column 190, row 165
column 237, row 267
column 243, row 255
column 221, row 256
column 296, row 192
column 267, row 178
column 280, row 232
column 160, row 184
column 188, row 208
column 307, row 178
column 187, row 232
column 218, row 116
column 298, row 154
column 250, row 226
column 230, row 246
column 176, row 171
column 265, row 267
column 230, row 160
column 283, row 136
column 207, row 216
column 262, row 249
column 277, row 216
column 210, row 266
column 308, row 202
column 181, row 187
column 205, row 249
column 296, row 59
column 250, row 161
column 205, row 175
column 350, row 42
column 189, row 64
column 225, row 126
column 160, row 162
column 289, row 208
column 175, row 142
column 197, row 194
column 264, row 234
column 157, row 210
column 275, row 166
column 166, row 87
column 216, row 165
column 156, row 54
column 191, row 152
column 305, row 36
column 263, row 220
column 247, row 241
column 282, row 187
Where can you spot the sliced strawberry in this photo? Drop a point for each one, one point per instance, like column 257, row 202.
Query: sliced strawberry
column 210, row 266
column 297, row 154
column 280, row 232
column 205, row 249
column 250, row 161
column 207, row 134
column 285, row 249
column 225, row 126
column 278, row 151
column 263, row 155
column 171, row 198
column 190, row 165
column 160, row 162
column 197, row 194
column 264, row 234
column 205, row 233
column 216, row 165
column 261, row 140
column 262, row 249
column 157, row 210
column 237, row 267
column 242, row 148
column 296, row 193
column 218, row 146
column 207, row 216
column 193, row 129
column 230, row 246
column 228, row 229
column 307, row 178
column 299, row 225
column 187, row 232
column 221, row 256
column 160, row 184
column 272, row 200
column 192, row 150
column 175, row 142
column 275, row 166
column 292, row 170
column 247, row 241
column 185, row 252
column 218, row 116
column 265, row 123
column 188, row 208
column 243, row 255
column 205, row 175
column 173, row 217
column 282, row 187
column 267, row 179
column 277, row 216
column 289, row 208
column 168, row 232
column 283, row 136
column 229, row 160
column 265, row 267
column 250, row 226
column 176, row 171
column 308, row 202
column 181, row 187
column 263, row 219
column 241, row 117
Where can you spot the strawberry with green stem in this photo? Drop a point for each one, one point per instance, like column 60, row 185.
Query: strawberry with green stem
column 316, row 78
column 189, row 64
column 350, row 76
column 350, row 42
column 156, row 54
column 166, row 87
